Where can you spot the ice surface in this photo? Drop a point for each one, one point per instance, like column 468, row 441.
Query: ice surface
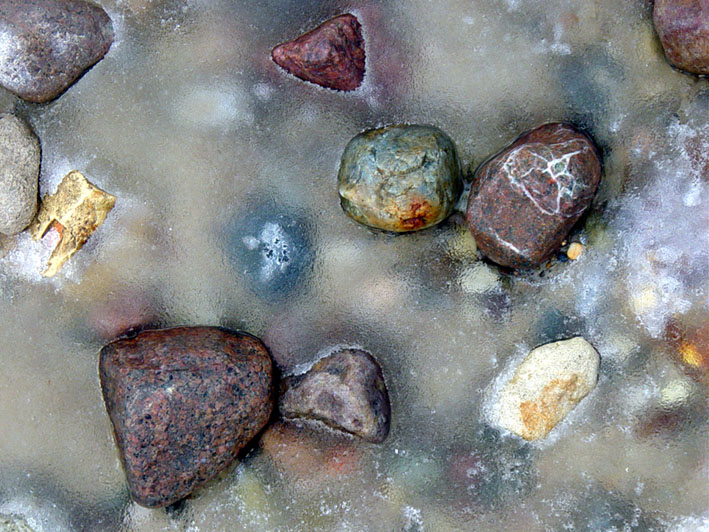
column 227, row 214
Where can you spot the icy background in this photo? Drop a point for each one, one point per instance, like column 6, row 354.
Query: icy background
column 227, row 214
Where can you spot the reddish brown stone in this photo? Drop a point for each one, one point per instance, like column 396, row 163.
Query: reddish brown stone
column 525, row 199
column 183, row 403
column 331, row 55
column 48, row 44
column 683, row 27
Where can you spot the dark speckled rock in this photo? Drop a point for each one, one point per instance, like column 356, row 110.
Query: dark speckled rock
column 683, row 27
column 524, row 200
column 183, row 403
column 331, row 55
column 48, row 44
column 345, row 390
column 400, row 178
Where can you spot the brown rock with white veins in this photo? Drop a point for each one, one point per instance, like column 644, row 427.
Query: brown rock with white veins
column 546, row 386
column 345, row 390
column 524, row 200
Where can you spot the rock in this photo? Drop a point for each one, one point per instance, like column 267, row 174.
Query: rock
column 19, row 174
column 183, row 403
column 345, row 390
column 547, row 385
column 683, row 27
column 49, row 44
column 76, row 210
column 524, row 201
column 331, row 55
column 574, row 251
column 400, row 178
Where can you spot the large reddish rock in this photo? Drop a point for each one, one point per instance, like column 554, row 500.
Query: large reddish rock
column 331, row 55
column 46, row 45
column 683, row 27
column 183, row 403
column 524, row 200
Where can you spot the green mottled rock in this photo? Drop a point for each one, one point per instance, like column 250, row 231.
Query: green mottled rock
column 400, row 178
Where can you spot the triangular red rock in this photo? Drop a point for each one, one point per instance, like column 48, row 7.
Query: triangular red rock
column 331, row 55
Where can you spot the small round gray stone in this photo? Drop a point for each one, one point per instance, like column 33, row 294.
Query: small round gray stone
column 400, row 178
column 19, row 174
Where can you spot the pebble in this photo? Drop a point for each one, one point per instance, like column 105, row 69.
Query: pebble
column 683, row 27
column 574, row 251
column 400, row 178
column 332, row 55
column 48, row 44
column 183, row 402
column 345, row 390
column 524, row 201
column 546, row 386
column 19, row 174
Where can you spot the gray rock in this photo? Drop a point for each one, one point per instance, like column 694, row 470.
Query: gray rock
column 345, row 390
column 400, row 178
column 19, row 174
column 49, row 44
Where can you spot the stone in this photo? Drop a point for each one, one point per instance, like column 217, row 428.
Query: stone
column 345, row 390
column 524, row 201
column 46, row 45
column 76, row 210
column 331, row 55
column 683, row 28
column 574, row 251
column 546, row 386
column 19, row 174
column 400, row 178
column 183, row 402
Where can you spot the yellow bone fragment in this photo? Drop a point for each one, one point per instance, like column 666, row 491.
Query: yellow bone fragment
column 77, row 208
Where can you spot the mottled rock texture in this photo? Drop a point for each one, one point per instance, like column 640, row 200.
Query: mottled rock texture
column 183, row 403
column 525, row 199
column 19, row 174
column 345, row 390
column 331, row 55
column 46, row 45
column 546, row 386
column 683, row 27
column 400, row 178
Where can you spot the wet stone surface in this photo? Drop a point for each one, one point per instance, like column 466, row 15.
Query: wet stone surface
column 683, row 28
column 400, row 178
column 19, row 174
column 345, row 390
column 49, row 44
column 524, row 200
column 183, row 403
column 546, row 386
column 332, row 55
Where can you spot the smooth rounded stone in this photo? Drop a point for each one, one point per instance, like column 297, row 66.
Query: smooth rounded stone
column 48, row 44
column 19, row 174
column 683, row 28
column 400, row 178
column 332, row 55
column 524, row 200
column 183, row 402
column 345, row 390
column 546, row 386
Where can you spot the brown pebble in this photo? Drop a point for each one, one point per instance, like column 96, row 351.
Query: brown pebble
column 574, row 251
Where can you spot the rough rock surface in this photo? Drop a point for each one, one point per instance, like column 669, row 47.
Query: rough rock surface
column 683, row 27
column 19, row 174
column 331, row 55
column 524, row 200
column 345, row 390
column 183, row 403
column 546, row 386
column 48, row 44
column 400, row 178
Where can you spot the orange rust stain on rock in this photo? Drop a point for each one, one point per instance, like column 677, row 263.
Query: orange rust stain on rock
column 540, row 416
column 416, row 216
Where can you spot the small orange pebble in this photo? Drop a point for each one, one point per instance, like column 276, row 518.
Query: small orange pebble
column 574, row 251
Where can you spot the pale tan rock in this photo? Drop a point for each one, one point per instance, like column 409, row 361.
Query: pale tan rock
column 546, row 386
column 76, row 209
